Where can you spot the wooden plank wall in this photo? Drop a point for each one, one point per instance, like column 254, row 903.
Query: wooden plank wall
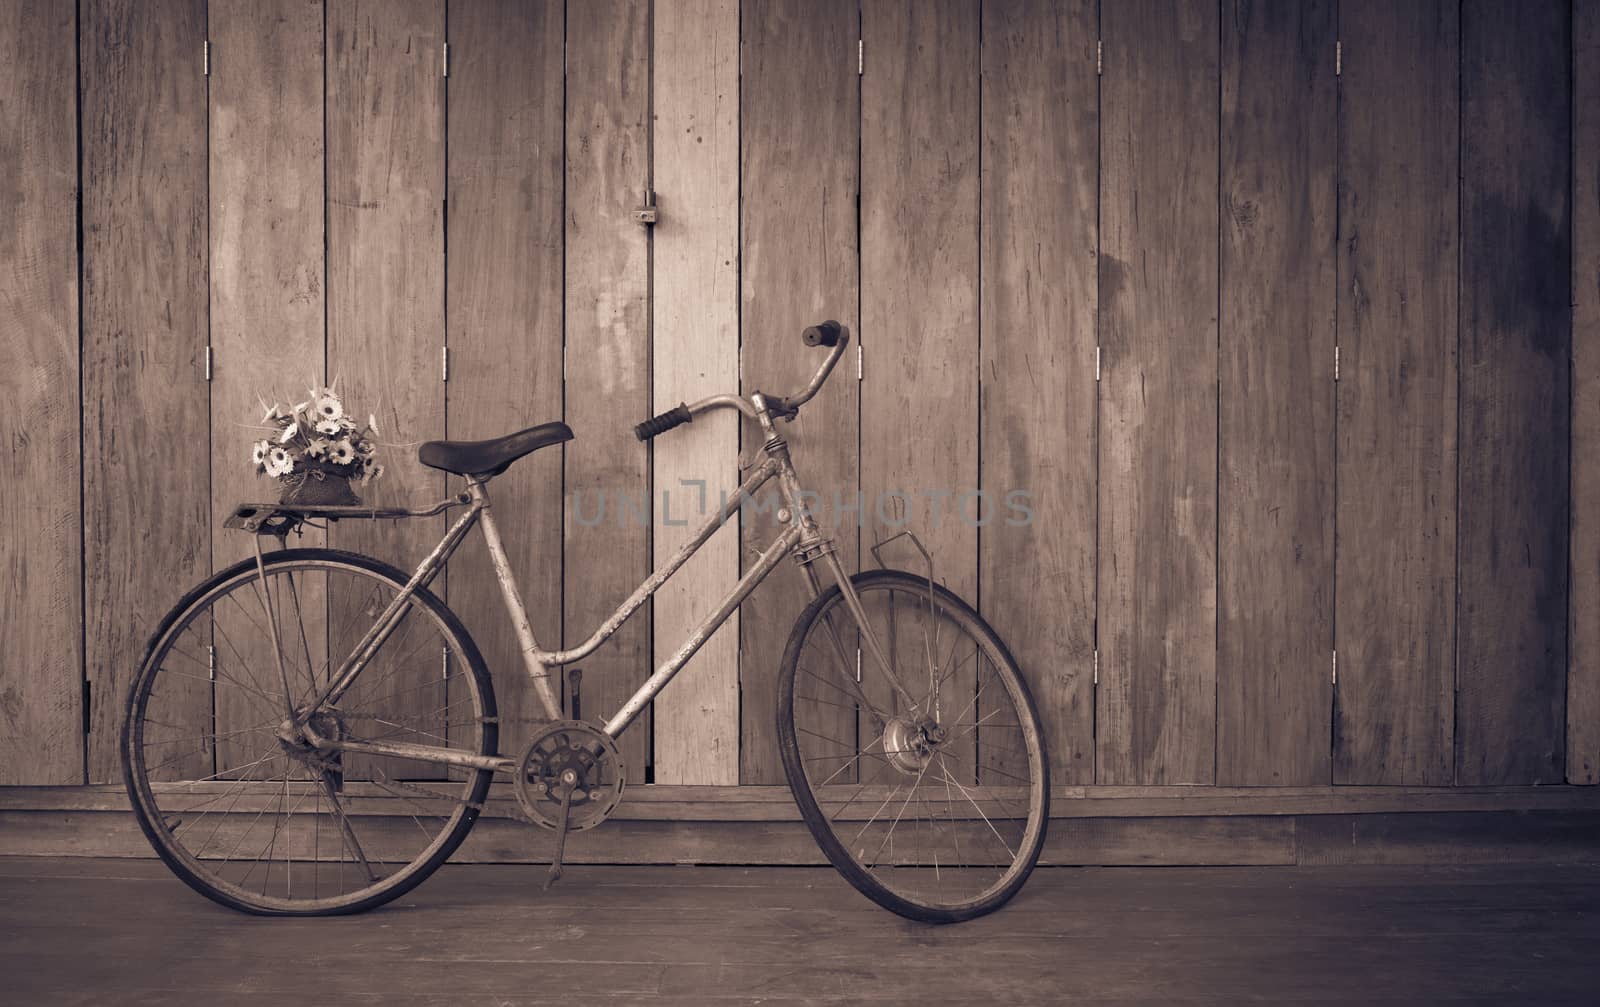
column 695, row 353
column 1157, row 702
column 1395, row 575
column 503, row 315
column 146, row 404
column 1039, row 231
column 798, row 258
column 1583, row 658
column 1211, row 218
column 39, row 467
column 1516, row 342
column 607, row 324
column 1275, row 394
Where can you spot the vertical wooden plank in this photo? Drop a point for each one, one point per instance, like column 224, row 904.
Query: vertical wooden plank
column 1039, row 236
column 41, row 718
column 145, row 414
column 1583, row 662
column 800, row 123
column 1396, row 453
column 696, row 353
column 503, row 298
column 267, row 306
column 1275, row 427
column 266, row 233
column 385, row 178
column 1516, row 342
column 1158, row 397
column 920, row 133
column 607, row 282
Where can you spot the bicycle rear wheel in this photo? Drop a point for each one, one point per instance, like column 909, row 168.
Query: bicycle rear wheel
column 267, row 825
column 931, row 801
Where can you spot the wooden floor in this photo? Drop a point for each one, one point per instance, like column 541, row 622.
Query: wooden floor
column 124, row 931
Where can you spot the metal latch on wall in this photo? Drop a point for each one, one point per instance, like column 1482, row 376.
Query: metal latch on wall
column 646, row 214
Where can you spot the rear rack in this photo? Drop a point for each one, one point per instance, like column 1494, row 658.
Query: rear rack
column 279, row 519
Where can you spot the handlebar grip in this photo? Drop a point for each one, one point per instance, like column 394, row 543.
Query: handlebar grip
column 823, row 334
column 664, row 422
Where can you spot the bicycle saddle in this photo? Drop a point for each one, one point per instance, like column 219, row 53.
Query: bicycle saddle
column 493, row 456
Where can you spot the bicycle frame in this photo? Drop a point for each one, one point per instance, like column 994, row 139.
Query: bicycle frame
column 800, row 537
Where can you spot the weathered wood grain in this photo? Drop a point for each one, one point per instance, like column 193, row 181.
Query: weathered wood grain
column 385, row 179
column 1275, row 423
column 1039, row 298
column 267, row 304
column 919, row 267
column 1158, row 398
column 1515, row 347
column 920, row 134
column 1583, row 658
column 800, row 124
column 146, row 528
column 607, row 544
column 41, row 715
column 695, row 353
column 1396, row 452
column 503, row 316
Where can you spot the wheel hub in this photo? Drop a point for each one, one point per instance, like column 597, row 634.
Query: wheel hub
column 327, row 723
column 570, row 754
column 911, row 744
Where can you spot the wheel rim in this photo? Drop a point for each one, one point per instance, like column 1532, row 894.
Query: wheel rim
column 935, row 797
column 262, row 820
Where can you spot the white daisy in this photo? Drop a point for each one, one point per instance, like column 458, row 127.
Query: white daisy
column 329, row 427
column 279, row 462
column 328, row 407
column 342, row 453
column 258, row 453
column 289, row 433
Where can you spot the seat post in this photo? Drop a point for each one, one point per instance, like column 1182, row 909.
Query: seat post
column 477, row 487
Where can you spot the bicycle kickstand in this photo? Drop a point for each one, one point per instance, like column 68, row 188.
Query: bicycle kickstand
column 569, row 782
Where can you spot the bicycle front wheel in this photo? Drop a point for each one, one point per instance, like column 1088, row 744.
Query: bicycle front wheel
column 928, row 790
column 261, row 822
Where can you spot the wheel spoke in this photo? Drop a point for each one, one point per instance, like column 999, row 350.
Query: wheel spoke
column 250, row 825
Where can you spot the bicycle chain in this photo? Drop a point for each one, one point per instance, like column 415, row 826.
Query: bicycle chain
column 515, row 811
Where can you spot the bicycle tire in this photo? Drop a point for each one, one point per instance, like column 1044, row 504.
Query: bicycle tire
column 874, row 880
column 154, row 821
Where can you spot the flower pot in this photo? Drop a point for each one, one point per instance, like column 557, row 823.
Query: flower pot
column 319, row 486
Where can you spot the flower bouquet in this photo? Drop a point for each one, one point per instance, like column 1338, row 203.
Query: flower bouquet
column 317, row 449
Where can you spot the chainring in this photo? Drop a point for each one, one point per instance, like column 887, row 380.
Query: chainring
column 597, row 765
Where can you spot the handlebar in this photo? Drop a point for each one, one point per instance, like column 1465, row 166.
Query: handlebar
column 829, row 333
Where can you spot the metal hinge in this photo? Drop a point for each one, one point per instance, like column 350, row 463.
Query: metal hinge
column 861, row 362
column 206, row 57
column 1335, row 667
column 861, row 57
column 211, row 664
column 1099, row 57
column 444, row 664
column 1097, row 667
column 1097, row 363
column 447, row 59
column 1338, row 58
column 208, row 362
column 1336, row 362
column 858, row 664
column 444, row 363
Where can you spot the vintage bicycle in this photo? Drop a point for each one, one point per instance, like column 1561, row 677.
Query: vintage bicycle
column 312, row 731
